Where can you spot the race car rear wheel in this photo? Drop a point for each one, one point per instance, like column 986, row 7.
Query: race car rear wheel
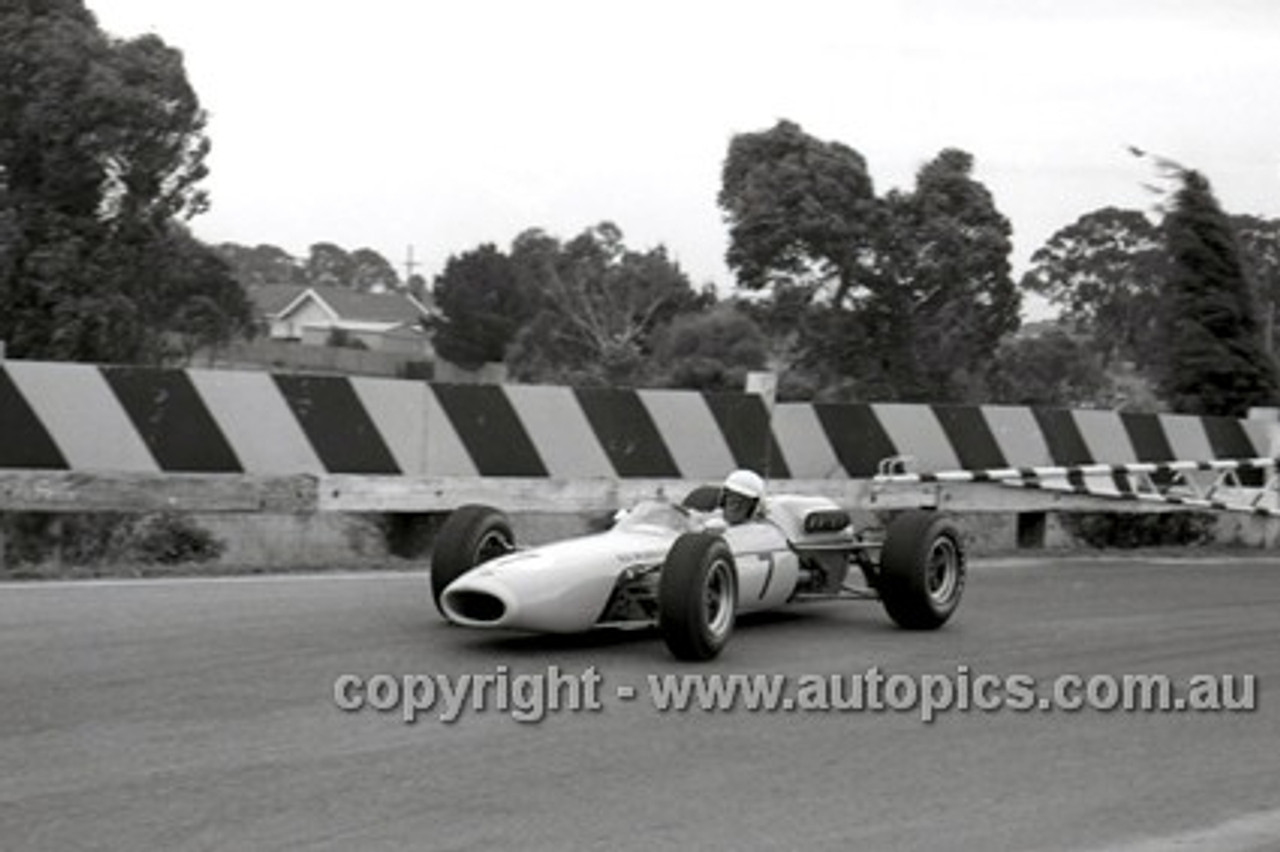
column 697, row 596
column 922, row 570
column 471, row 535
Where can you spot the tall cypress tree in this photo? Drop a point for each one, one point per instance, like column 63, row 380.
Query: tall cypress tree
column 1214, row 361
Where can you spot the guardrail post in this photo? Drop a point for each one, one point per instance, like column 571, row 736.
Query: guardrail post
column 57, row 529
column 1031, row 530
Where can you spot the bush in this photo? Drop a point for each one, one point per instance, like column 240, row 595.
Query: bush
column 712, row 350
column 1130, row 530
column 105, row 537
column 171, row 539
column 36, row 537
column 410, row 535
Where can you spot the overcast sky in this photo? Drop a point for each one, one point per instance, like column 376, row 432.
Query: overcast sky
column 443, row 125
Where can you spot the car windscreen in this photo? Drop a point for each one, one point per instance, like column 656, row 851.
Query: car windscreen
column 655, row 513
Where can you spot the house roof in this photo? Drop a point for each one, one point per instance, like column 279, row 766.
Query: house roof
column 271, row 299
column 349, row 305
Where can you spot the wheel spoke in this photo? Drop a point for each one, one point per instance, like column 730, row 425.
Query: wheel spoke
column 940, row 575
column 718, row 598
column 492, row 546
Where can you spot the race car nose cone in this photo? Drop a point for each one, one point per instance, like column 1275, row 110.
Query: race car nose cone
column 476, row 606
column 479, row 601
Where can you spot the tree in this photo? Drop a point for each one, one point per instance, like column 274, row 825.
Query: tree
column 1105, row 271
column 1215, row 362
column 800, row 211
column 10, row 235
column 710, row 350
column 790, row 323
column 328, row 265
column 598, row 306
column 1052, row 369
column 1259, row 241
column 102, row 151
column 416, row 286
column 911, row 293
column 261, row 265
column 372, row 273
column 482, row 305
column 200, row 293
column 943, row 296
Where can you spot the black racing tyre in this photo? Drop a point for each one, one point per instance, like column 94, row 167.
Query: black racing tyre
column 471, row 535
column 704, row 498
column 697, row 596
column 922, row 570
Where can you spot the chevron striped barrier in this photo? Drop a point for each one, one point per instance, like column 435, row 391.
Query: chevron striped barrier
column 126, row 420
column 838, row 441
column 78, row 417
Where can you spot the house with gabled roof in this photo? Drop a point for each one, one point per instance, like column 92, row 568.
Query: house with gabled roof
column 385, row 322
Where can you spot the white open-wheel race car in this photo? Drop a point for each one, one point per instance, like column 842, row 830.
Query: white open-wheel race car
column 683, row 568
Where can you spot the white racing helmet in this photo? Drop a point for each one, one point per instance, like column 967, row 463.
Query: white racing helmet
column 748, row 483
column 745, row 484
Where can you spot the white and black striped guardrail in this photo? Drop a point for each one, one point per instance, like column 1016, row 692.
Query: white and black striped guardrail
column 92, row 418
column 1141, row 482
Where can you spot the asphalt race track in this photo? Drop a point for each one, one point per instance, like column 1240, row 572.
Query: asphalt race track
column 188, row 715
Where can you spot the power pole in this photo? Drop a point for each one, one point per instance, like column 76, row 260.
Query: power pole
column 409, row 266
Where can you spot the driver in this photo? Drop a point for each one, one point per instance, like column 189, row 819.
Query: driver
column 741, row 497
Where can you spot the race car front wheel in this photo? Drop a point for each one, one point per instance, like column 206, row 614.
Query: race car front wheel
column 469, row 536
column 697, row 596
column 922, row 570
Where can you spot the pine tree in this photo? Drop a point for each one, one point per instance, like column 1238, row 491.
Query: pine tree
column 1214, row 361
